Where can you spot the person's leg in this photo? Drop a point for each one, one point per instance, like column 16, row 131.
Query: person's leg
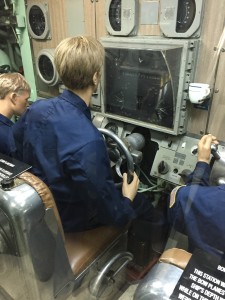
column 148, row 233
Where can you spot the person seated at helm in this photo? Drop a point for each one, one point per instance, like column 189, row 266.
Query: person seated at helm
column 198, row 209
column 14, row 95
column 58, row 139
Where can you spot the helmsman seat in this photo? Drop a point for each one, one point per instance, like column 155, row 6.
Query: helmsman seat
column 46, row 262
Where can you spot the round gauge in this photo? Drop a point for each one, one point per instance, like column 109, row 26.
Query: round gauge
column 121, row 17
column 38, row 24
column 181, row 18
column 46, row 68
column 37, row 20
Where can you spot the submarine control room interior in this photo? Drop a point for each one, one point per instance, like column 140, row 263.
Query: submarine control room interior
column 154, row 123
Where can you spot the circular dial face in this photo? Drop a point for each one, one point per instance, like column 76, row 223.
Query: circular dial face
column 37, row 20
column 46, row 67
column 115, row 14
column 185, row 15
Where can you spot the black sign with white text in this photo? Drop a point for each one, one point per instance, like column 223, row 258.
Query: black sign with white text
column 11, row 167
column 202, row 279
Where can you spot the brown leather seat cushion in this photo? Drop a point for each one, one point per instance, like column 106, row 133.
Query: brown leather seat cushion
column 175, row 256
column 82, row 247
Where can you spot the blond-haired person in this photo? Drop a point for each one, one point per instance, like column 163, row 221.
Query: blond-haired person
column 14, row 95
column 57, row 137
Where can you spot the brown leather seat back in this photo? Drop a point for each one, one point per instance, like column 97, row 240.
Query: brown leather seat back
column 161, row 280
column 45, row 194
column 175, row 256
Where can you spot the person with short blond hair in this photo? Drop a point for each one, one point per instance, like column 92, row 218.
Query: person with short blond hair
column 57, row 137
column 79, row 61
column 14, row 95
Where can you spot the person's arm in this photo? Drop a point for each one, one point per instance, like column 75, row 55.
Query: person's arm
column 180, row 200
column 98, row 187
column 202, row 170
column 18, row 133
column 7, row 145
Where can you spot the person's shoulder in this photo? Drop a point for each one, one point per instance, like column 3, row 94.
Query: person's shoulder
column 41, row 107
column 4, row 130
column 173, row 196
column 4, row 121
column 42, row 102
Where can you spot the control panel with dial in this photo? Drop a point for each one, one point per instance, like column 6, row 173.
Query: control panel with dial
column 175, row 159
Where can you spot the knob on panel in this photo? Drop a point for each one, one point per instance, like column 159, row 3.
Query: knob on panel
column 163, row 167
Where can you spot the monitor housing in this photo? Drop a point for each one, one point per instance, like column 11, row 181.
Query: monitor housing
column 145, row 81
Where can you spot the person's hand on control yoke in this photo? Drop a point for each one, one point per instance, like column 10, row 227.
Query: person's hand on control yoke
column 204, row 147
column 129, row 190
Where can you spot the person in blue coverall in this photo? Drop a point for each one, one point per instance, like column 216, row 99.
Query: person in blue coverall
column 197, row 209
column 14, row 95
column 58, row 139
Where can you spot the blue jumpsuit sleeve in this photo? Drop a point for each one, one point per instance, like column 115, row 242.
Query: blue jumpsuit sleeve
column 18, row 134
column 200, row 175
column 98, row 186
column 181, row 203
column 7, row 145
column 198, row 212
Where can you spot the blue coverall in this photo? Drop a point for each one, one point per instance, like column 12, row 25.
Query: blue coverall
column 7, row 145
column 57, row 138
column 198, row 210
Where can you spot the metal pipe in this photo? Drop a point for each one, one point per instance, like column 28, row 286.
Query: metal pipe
column 11, row 56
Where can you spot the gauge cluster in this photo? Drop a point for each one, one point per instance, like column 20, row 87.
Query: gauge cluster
column 161, row 156
column 176, row 158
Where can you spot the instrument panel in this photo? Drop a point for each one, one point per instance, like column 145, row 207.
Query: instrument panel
column 176, row 158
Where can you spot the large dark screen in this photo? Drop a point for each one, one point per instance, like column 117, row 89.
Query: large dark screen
column 142, row 84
